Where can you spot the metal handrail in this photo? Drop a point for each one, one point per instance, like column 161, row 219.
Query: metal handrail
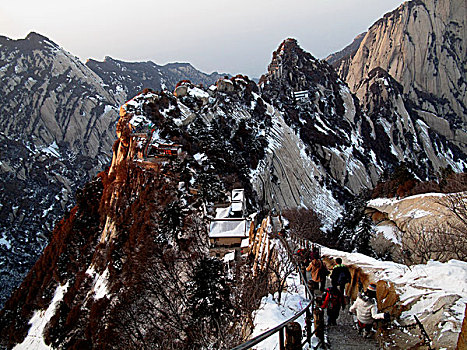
column 267, row 334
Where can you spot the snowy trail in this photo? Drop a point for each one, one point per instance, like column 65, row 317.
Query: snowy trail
column 345, row 336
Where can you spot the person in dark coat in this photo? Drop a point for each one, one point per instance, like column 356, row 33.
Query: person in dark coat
column 340, row 275
column 333, row 301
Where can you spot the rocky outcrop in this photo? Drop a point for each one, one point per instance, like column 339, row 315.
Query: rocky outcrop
column 342, row 59
column 50, row 96
column 395, row 121
column 318, row 107
column 337, row 136
column 55, row 116
column 422, row 45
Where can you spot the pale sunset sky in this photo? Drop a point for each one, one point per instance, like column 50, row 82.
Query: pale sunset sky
column 235, row 36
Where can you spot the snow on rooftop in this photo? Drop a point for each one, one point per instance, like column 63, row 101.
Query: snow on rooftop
column 230, row 228
column 238, row 194
column 222, row 213
column 229, row 257
column 197, row 92
column 237, row 206
column 136, row 120
column 35, row 338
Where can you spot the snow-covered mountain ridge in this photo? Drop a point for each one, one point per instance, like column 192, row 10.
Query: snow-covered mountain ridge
column 51, row 101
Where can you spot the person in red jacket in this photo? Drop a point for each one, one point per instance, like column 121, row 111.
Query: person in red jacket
column 333, row 301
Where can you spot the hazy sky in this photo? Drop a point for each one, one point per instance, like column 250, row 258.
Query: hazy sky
column 234, row 36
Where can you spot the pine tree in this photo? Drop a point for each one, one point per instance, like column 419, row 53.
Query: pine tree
column 209, row 294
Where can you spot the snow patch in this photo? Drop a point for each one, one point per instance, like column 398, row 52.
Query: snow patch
column 53, row 150
column 100, row 282
column 35, row 338
column 270, row 314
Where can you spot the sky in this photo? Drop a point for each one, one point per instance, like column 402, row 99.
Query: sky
column 227, row 36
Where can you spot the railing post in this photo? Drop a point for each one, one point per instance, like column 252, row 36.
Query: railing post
column 318, row 317
column 281, row 339
column 308, row 325
column 293, row 336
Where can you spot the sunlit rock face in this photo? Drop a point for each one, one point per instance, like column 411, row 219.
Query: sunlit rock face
column 422, row 45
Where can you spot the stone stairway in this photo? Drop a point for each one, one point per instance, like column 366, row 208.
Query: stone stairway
column 344, row 336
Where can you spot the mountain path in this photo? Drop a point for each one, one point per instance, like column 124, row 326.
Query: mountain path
column 344, row 336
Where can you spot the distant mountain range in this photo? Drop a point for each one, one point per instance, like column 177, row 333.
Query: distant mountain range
column 306, row 135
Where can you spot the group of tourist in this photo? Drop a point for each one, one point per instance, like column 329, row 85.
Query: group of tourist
column 334, row 297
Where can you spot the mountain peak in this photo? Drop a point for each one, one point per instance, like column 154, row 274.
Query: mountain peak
column 33, row 36
column 293, row 69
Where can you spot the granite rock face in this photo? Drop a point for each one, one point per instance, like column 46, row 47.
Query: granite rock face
column 341, row 145
column 55, row 117
column 422, row 45
column 50, row 96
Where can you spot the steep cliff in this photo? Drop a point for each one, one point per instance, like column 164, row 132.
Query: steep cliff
column 344, row 145
column 57, row 117
column 422, row 45
column 123, row 267
column 341, row 59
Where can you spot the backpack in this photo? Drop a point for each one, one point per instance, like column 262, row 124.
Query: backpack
column 323, row 271
column 334, row 298
column 342, row 277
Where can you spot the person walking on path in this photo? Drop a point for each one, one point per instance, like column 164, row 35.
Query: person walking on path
column 366, row 310
column 340, row 275
column 333, row 301
column 318, row 273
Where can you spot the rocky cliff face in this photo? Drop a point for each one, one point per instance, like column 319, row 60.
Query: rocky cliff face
column 341, row 59
column 57, row 118
column 338, row 135
column 423, row 46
